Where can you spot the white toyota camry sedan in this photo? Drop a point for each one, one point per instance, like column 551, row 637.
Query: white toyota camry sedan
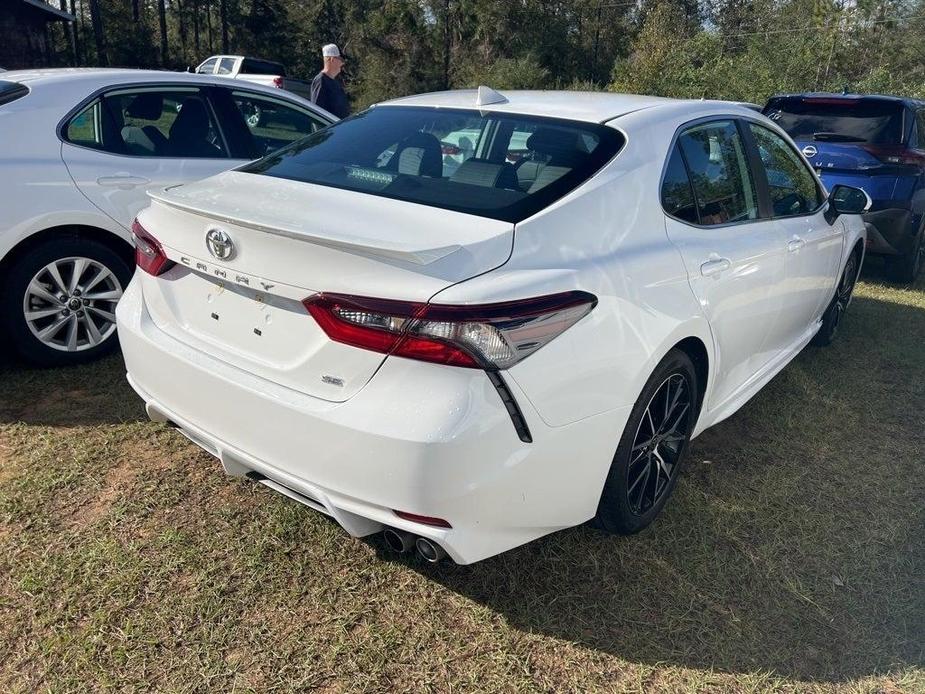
column 78, row 150
column 469, row 357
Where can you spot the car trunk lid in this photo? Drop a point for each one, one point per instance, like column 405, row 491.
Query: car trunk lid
column 290, row 240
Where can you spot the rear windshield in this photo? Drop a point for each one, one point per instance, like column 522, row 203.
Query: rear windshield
column 252, row 66
column 839, row 120
column 10, row 91
column 494, row 165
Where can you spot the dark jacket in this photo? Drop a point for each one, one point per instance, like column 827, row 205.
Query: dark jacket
column 329, row 94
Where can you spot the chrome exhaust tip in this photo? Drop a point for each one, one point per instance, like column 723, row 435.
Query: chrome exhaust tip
column 430, row 551
column 398, row 540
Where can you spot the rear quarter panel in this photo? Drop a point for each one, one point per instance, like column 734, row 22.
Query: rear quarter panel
column 607, row 237
column 36, row 190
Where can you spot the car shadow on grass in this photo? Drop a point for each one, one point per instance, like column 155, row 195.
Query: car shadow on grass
column 87, row 395
column 794, row 544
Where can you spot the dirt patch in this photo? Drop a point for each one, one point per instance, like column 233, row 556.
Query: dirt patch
column 118, row 479
column 133, row 460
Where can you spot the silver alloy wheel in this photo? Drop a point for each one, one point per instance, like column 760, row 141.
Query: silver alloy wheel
column 70, row 304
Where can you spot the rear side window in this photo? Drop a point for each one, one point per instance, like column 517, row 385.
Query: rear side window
column 792, row 187
column 831, row 119
column 10, row 91
column 91, row 128
column 453, row 159
column 252, row 66
column 677, row 195
column 718, row 167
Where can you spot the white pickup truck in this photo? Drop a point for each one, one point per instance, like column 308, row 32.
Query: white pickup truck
column 264, row 72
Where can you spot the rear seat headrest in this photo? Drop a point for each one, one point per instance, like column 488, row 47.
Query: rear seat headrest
column 556, row 143
column 147, row 106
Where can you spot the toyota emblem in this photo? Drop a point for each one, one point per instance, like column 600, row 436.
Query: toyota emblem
column 809, row 151
column 219, row 244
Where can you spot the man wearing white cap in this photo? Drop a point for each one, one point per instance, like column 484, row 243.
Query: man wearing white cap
column 327, row 90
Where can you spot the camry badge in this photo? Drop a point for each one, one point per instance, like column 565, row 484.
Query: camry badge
column 219, row 244
column 809, row 151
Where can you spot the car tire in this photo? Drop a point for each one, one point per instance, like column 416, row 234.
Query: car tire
column 654, row 442
column 835, row 311
column 40, row 292
column 906, row 268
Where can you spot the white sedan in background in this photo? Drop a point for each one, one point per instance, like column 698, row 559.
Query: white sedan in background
column 469, row 361
column 78, row 151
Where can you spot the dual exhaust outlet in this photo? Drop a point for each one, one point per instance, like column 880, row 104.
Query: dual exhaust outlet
column 402, row 541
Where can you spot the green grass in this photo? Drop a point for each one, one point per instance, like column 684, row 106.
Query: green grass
column 791, row 558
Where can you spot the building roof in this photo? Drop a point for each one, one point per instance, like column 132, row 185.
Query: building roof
column 54, row 14
column 595, row 107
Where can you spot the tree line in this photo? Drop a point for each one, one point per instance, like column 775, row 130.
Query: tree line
column 729, row 49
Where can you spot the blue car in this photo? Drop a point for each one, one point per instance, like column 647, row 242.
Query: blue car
column 872, row 142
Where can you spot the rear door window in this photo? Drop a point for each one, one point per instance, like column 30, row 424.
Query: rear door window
column 724, row 190
column 401, row 152
column 225, row 66
column 833, row 119
column 165, row 122
column 792, row 186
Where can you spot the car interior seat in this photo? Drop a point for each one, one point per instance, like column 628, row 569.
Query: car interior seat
column 189, row 134
column 482, row 172
column 419, row 154
column 554, row 153
column 144, row 140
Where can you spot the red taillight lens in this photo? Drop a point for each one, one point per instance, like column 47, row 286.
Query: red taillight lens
column 489, row 336
column 896, row 154
column 149, row 254
column 425, row 520
column 278, row 82
column 451, row 149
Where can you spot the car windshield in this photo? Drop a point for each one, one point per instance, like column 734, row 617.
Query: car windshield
column 831, row 119
column 493, row 165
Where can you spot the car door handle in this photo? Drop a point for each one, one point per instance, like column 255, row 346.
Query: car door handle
column 714, row 266
column 124, row 181
column 795, row 244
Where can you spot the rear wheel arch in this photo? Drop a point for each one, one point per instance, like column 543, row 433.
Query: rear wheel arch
column 49, row 330
column 696, row 350
column 72, row 232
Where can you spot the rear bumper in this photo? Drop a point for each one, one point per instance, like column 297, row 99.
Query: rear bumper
column 889, row 231
column 426, row 439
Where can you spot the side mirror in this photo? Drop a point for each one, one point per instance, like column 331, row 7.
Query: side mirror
column 847, row 200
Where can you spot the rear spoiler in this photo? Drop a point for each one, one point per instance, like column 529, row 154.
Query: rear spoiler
column 352, row 244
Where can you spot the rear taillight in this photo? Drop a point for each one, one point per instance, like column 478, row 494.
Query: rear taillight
column 450, row 149
column 278, row 82
column 485, row 336
column 149, row 254
column 896, row 154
